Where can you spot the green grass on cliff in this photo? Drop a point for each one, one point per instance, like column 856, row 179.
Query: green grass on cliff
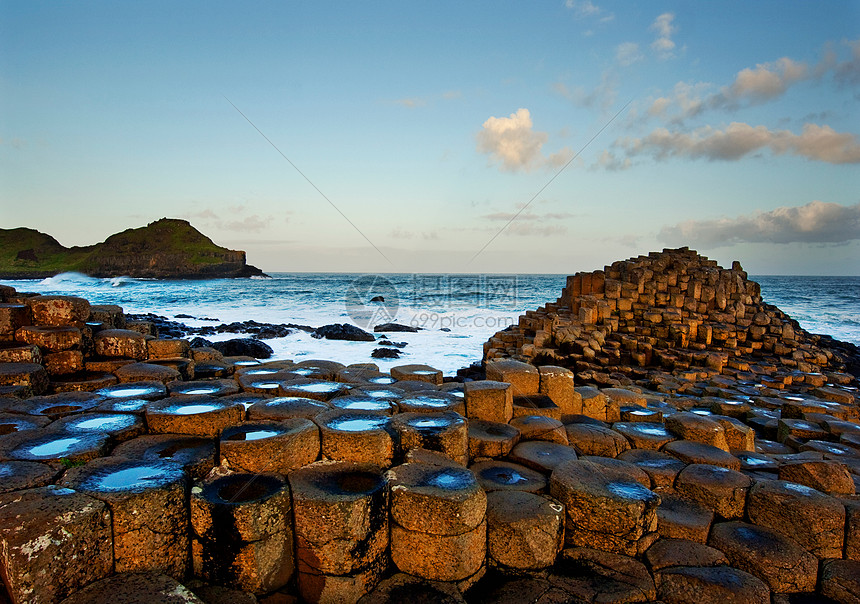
column 27, row 253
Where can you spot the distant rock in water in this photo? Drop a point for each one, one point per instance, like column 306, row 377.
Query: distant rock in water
column 165, row 249
column 244, row 347
column 342, row 331
column 385, row 353
column 383, row 327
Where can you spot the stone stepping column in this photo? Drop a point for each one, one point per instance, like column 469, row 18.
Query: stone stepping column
column 596, row 440
column 815, row 520
column 356, row 436
column 134, row 588
column 340, row 513
column 40, row 446
column 541, row 455
column 149, row 511
column 286, row 407
column 38, row 529
column 719, row 489
column 771, row 556
column 363, row 402
column 119, row 427
column 19, row 475
column 432, row 402
column 710, row 585
column 418, row 373
column 439, row 527
column 196, row 415
column 540, row 427
column 144, row 372
column 273, row 447
column 525, row 531
column 491, row 439
column 660, row 468
column 506, row 476
column 444, row 432
column 203, row 387
column 316, row 389
column 606, row 510
column 31, row 376
column 242, row 532
column 489, row 401
column 147, row 390
column 120, row 343
column 195, row 454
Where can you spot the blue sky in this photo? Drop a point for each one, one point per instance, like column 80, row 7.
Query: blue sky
column 430, row 125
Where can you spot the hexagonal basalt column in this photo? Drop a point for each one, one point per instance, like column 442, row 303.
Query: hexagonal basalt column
column 316, row 389
column 197, row 415
column 606, row 510
column 55, row 406
column 491, row 439
column 50, row 339
column 14, row 422
column 418, row 373
column 39, row 528
column 36, row 445
column 123, row 343
column 357, row 436
column 19, row 475
column 148, row 507
column 58, row 310
column 286, row 407
column 118, row 426
column 242, row 532
column 445, row 432
column 523, row 377
column 195, row 454
column 432, row 402
column 148, row 390
column 489, row 401
column 274, row 447
column 507, row 476
column 440, row 528
column 363, row 402
column 341, row 521
column 524, row 531
column 203, row 387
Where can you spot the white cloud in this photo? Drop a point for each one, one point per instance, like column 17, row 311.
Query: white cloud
column 815, row 222
column 765, row 82
column 512, row 142
column 664, row 27
column 818, row 143
column 847, row 73
column 583, row 8
column 603, row 95
column 628, row 53
column 411, row 103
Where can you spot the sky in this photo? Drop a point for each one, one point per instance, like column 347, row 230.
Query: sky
column 498, row 137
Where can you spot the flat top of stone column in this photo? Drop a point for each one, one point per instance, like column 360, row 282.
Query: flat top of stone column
column 336, row 481
column 117, row 477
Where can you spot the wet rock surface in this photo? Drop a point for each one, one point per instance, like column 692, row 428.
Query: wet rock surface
column 683, row 439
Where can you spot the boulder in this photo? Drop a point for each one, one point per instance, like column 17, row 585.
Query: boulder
column 342, row 331
column 246, row 347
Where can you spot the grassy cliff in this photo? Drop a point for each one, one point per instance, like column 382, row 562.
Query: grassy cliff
column 164, row 249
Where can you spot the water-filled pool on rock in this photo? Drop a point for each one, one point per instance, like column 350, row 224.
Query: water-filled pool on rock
column 629, row 490
column 105, row 423
column 54, row 447
column 503, row 475
column 193, row 409
column 254, row 434
column 451, row 479
column 130, row 391
column 349, row 423
column 129, row 478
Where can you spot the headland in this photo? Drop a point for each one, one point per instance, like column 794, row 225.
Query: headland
column 165, row 249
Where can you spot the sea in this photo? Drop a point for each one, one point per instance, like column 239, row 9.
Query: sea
column 456, row 314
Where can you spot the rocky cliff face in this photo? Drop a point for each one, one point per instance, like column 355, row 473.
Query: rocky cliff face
column 164, row 249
